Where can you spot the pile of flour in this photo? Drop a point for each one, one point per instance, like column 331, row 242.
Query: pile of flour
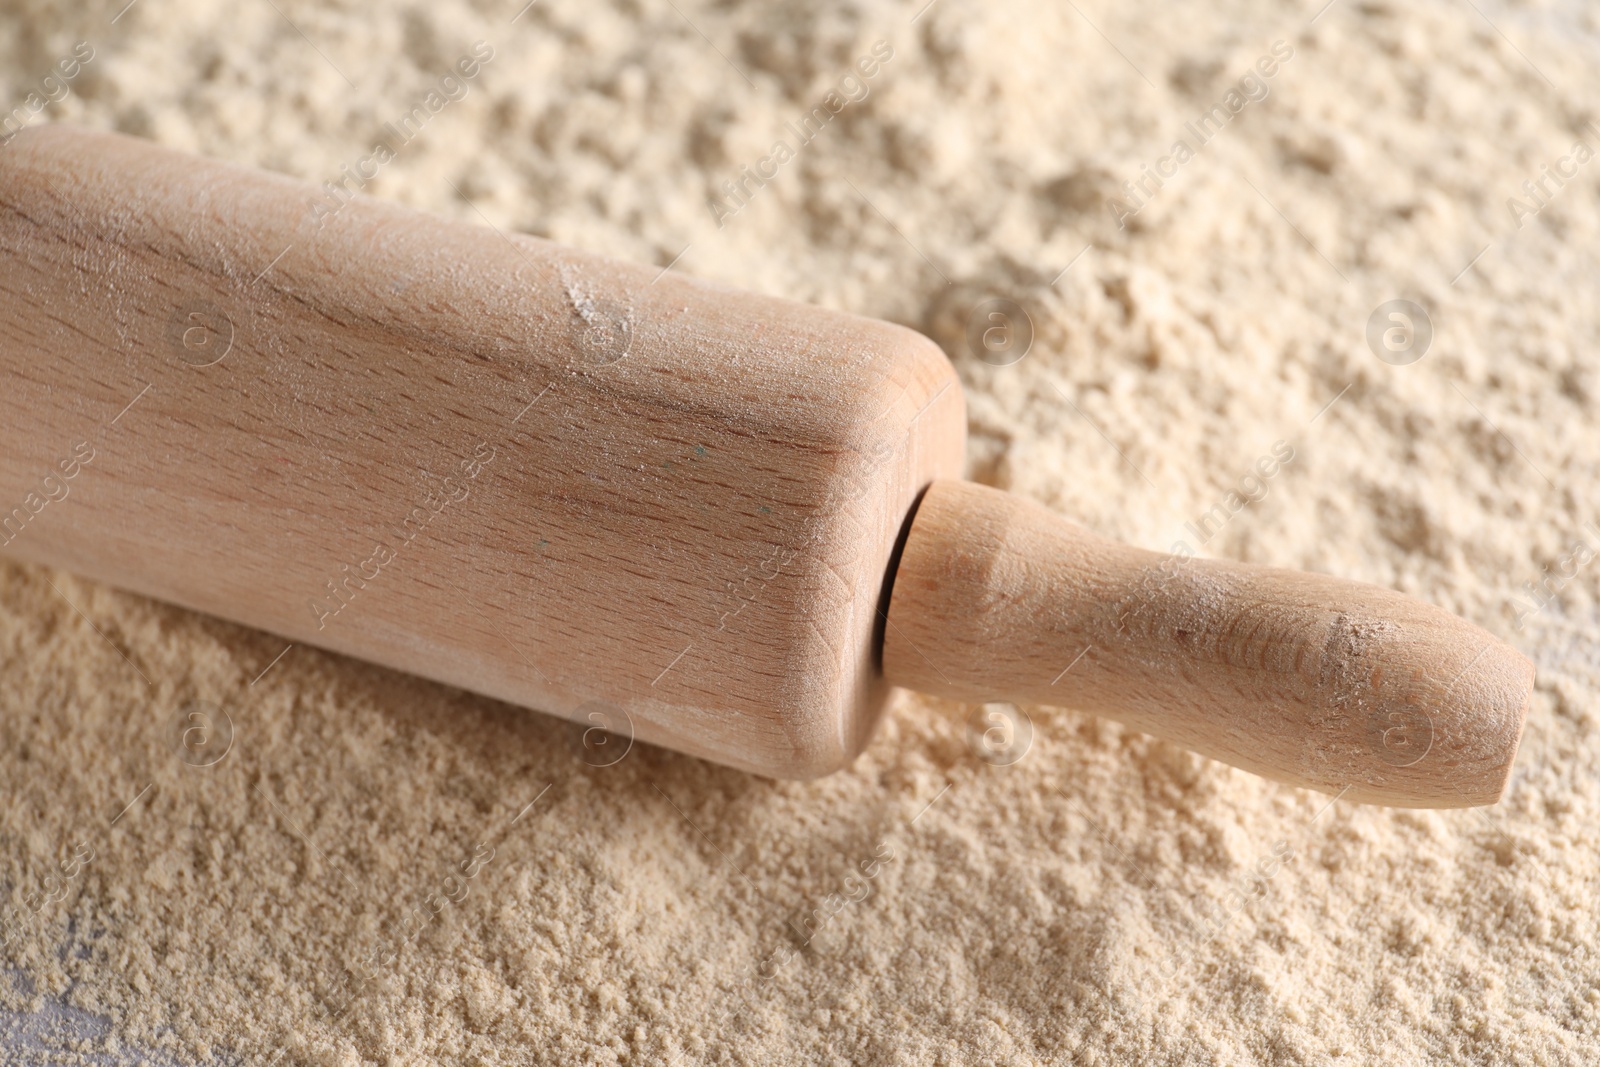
column 384, row 871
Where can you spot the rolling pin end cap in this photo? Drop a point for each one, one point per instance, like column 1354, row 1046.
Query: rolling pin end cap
column 1505, row 731
column 1451, row 744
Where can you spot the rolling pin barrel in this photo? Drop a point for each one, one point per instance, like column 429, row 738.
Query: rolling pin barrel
column 575, row 484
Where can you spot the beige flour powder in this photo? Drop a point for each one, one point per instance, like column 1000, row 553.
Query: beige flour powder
column 379, row 870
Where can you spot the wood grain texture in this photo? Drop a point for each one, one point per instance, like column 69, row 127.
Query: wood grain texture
column 499, row 463
column 1311, row 680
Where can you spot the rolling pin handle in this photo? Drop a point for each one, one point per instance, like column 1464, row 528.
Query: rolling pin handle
column 1315, row 681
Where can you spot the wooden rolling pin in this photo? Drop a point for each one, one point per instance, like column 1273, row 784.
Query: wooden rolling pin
column 559, row 479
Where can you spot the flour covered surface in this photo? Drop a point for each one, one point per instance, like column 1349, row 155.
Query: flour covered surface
column 1307, row 286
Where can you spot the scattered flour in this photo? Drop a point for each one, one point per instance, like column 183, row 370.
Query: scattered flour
column 361, row 879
